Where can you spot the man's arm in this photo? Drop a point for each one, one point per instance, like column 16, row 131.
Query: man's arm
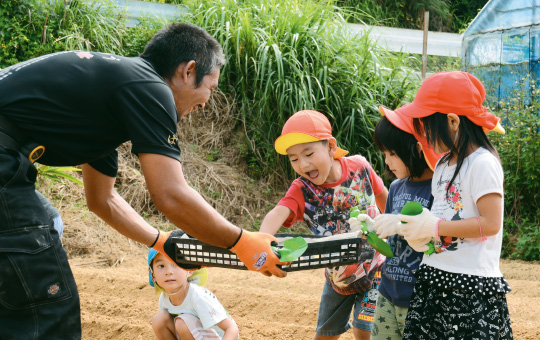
column 103, row 201
column 182, row 205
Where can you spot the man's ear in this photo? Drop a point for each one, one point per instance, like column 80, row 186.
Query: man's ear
column 186, row 70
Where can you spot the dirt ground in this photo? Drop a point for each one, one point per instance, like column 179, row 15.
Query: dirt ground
column 117, row 302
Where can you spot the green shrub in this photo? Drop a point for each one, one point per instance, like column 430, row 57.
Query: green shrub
column 519, row 150
column 31, row 28
column 286, row 56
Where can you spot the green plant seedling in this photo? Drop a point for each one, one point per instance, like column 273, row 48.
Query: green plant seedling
column 376, row 242
column 372, row 238
column 292, row 249
column 412, row 209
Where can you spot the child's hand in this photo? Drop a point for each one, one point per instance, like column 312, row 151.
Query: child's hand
column 387, row 225
column 420, row 245
column 419, row 226
column 356, row 223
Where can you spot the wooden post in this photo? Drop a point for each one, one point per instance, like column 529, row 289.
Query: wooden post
column 424, row 49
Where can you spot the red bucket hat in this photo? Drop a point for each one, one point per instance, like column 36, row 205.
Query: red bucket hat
column 305, row 127
column 406, row 124
column 455, row 92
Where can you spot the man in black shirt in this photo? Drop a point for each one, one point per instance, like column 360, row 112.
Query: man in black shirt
column 81, row 106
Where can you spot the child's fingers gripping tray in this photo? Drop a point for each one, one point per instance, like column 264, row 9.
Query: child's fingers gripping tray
column 321, row 252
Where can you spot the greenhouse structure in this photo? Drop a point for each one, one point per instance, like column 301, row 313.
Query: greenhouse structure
column 502, row 48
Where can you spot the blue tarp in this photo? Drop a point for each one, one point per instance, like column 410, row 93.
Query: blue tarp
column 502, row 48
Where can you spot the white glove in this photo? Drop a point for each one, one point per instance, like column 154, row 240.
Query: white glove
column 420, row 245
column 387, row 225
column 419, row 226
column 356, row 223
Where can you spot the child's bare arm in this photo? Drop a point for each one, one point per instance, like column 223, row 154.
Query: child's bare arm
column 490, row 209
column 230, row 328
column 274, row 219
column 380, row 200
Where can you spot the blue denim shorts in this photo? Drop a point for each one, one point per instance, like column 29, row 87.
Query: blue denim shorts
column 335, row 309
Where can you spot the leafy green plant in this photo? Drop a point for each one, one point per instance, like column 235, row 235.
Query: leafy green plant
column 57, row 174
column 31, row 28
column 213, row 155
column 519, row 150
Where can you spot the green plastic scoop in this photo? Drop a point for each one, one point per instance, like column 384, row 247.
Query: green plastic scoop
column 292, row 249
column 413, row 209
column 375, row 241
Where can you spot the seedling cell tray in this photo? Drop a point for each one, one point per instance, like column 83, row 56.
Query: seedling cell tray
column 321, row 252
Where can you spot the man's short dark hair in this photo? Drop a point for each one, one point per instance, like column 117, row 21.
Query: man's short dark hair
column 182, row 42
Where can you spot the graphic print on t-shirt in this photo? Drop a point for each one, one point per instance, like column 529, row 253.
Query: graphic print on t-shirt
column 327, row 209
column 453, row 202
column 326, row 212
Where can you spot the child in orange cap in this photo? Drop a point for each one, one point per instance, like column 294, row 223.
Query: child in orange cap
column 328, row 187
column 460, row 293
column 410, row 160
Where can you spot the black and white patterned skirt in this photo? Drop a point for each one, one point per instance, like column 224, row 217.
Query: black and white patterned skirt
column 457, row 307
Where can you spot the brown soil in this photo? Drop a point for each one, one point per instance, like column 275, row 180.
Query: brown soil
column 117, row 302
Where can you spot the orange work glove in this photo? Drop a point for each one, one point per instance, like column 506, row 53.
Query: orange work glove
column 164, row 245
column 255, row 251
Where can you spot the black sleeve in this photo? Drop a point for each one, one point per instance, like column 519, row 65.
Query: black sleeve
column 107, row 165
column 149, row 114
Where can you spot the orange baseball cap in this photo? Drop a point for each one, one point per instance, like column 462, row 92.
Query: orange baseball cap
column 455, row 92
column 406, row 124
column 305, row 126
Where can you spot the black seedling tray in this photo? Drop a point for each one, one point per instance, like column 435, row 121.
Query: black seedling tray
column 320, row 253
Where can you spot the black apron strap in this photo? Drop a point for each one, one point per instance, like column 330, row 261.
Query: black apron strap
column 12, row 138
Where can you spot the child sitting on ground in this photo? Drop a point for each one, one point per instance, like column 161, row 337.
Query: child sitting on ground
column 186, row 311
column 328, row 187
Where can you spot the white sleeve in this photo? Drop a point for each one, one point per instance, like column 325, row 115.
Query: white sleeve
column 487, row 175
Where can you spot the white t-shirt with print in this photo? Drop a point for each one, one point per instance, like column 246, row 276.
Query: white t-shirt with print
column 480, row 174
column 201, row 303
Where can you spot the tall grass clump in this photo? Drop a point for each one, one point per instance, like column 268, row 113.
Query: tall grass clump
column 285, row 56
column 519, row 150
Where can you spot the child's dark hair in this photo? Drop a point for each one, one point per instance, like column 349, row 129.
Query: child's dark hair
column 436, row 130
column 390, row 138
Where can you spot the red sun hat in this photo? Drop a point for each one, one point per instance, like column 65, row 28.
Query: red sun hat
column 406, row 124
column 455, row 92
column 305, row 126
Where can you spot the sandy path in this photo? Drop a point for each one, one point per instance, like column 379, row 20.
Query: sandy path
column 117, row 302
